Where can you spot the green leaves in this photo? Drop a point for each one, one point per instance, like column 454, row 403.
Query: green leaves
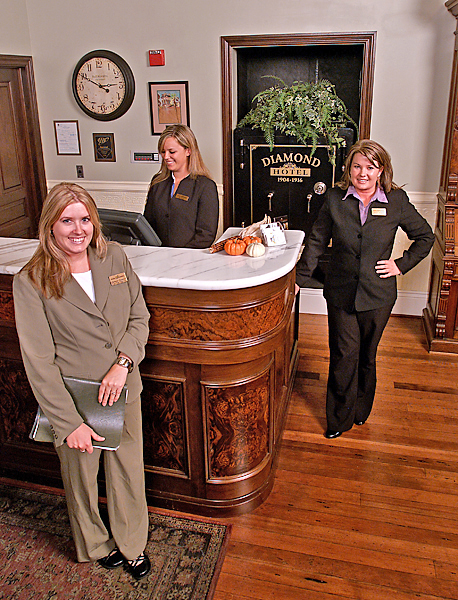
column 308, row 111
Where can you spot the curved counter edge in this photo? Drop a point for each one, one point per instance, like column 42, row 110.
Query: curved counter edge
column 218, row 376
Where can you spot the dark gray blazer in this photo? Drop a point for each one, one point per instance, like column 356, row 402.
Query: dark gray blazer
column 188, row 219
column 351, row 281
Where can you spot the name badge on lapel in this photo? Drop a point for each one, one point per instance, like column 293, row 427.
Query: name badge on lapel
column 182, row 197
column 378, row 212
column 117, row 279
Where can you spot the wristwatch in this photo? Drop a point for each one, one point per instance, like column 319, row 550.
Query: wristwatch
column 125, row 362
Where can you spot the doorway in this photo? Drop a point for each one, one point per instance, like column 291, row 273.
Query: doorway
column 346, row 59
column 22, row 173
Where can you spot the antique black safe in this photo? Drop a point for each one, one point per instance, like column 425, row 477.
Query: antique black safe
column 288, row 181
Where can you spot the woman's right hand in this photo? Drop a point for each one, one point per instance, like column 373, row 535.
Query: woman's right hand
column 81, row 438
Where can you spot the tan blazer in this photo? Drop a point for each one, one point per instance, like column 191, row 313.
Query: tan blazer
column 72, row 336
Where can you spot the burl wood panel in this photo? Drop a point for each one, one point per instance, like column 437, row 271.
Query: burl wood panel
column 214, row 325
column 164, row 441
column 18, row 405
column 238, row 425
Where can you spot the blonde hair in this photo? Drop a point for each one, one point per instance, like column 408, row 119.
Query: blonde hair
column 49, row 268
column 378, row 156
column 186, row 138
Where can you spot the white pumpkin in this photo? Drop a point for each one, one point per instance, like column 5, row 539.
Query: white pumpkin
column 255, row 249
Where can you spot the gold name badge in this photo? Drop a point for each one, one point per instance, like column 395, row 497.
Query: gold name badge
column 181, row 197
column 117, row 279
column 379, row 212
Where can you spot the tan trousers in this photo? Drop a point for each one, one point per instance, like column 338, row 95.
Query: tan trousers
column 126, row 500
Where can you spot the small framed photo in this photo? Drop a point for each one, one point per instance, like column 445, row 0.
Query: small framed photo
column 169, row 104
column 67, row 137
column 104, row 147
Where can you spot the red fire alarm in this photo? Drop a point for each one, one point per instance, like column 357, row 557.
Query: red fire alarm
column 156, row 58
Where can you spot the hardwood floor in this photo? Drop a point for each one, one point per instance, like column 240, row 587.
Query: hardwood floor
column 372, row 515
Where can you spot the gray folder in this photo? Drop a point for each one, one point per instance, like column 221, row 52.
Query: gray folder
column 107, row 421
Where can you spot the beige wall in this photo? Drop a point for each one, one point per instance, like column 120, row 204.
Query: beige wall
column 412, row 74
column 14, row 28
column 413, row 61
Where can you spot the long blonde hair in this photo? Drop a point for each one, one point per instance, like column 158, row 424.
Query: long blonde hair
column 186, row 138
column 49, row 268
column 378, row 156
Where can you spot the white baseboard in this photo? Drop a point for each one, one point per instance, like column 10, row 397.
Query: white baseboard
column 408, row 303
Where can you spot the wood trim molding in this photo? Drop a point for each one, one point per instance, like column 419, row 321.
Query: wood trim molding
column 230, row 43
column 24, row 64
column 452, row 6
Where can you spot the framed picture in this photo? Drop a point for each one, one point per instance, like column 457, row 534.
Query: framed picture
column 67, row 137
column 169, row 103
column 104, row 147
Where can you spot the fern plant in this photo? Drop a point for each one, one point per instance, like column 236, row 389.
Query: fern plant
column 308, row 111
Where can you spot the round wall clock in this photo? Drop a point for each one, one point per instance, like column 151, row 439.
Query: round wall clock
column 103, row 85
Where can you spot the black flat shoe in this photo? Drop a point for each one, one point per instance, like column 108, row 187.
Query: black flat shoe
column 113, row 560
column 138, row 567
column 359, row 422
column 332, row 434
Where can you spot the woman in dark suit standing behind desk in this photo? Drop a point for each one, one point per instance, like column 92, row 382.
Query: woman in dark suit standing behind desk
column 361, row 217
column 80, row 312
column 182, row 203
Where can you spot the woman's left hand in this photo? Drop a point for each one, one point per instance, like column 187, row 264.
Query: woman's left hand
column 112, row 384
column 387, row 268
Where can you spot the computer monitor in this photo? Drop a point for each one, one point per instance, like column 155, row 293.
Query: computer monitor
column 128, row 228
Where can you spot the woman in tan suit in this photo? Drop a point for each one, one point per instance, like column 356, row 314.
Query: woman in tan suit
column 80, row 312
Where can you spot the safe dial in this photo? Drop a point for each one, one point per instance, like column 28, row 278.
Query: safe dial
column 319, row 188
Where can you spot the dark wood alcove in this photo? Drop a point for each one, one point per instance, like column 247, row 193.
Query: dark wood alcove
column 440, row 317
column 346, row 59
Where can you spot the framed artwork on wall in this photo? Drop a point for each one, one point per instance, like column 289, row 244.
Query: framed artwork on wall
column 169, row 104
column 104, row 147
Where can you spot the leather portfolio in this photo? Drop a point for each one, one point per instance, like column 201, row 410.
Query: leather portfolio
column 107, row 421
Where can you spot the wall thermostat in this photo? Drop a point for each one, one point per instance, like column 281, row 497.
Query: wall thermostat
column 156, row 58
column 144, row 157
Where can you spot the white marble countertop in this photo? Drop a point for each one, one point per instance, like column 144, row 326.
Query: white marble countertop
column 185, row 268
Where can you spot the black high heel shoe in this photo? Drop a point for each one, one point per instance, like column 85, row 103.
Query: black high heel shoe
column 330, row 434
column 138, row 567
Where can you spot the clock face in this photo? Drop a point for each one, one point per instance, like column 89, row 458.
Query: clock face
column 103, row 85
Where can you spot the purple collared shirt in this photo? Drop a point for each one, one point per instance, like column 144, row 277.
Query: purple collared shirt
column 364, row 210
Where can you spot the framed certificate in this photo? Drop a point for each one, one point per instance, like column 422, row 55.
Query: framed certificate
column 67, row 137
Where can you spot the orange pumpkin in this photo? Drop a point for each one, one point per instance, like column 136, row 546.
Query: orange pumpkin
column 250, row 239
column 235, row 247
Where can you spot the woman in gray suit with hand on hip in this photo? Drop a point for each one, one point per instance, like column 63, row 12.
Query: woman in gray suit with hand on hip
column 80, row 312
column 361, row 216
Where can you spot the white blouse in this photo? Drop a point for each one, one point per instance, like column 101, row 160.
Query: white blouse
column 86, row 282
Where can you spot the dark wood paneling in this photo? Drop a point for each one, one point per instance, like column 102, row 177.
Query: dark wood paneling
column 217, row 376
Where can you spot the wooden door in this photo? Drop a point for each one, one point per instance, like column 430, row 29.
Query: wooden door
column 22, row 177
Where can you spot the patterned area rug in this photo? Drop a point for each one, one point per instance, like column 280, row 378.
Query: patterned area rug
column 37, row 557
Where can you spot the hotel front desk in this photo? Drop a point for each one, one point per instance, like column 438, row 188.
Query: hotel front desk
column 217, row 376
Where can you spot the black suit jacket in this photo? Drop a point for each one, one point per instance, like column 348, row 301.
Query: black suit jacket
column 188, row 219
column 351, row 281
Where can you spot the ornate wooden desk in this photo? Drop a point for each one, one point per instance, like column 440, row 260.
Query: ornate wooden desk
column 218, row 374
